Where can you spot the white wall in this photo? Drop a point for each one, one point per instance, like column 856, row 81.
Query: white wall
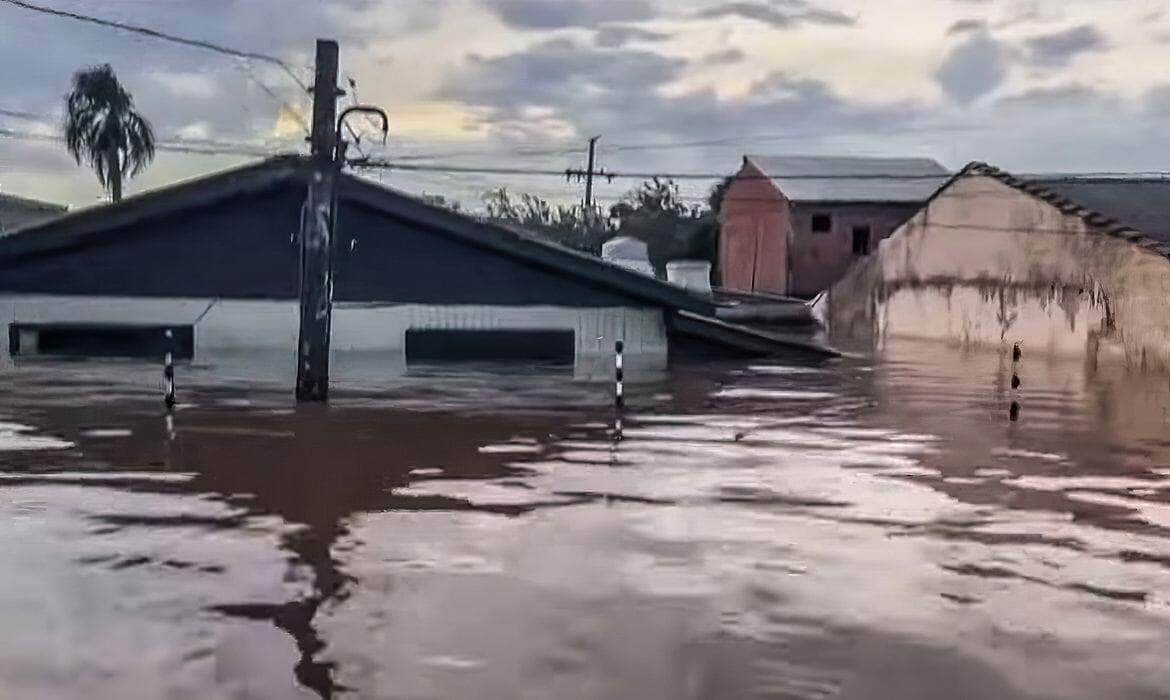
column 253, row 333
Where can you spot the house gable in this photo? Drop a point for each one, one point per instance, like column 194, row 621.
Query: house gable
column 234, row 235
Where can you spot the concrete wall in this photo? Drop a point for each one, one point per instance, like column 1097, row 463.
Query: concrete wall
column 753, row 234
column 265, row 332
column 987, row 265
column 820, row 259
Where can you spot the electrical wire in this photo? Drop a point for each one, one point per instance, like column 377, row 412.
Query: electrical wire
column 650, row 175
column 18, row 114
column 154, row 33
column 193, row 147
column 297, row 114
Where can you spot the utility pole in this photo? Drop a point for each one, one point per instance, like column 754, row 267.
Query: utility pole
column 588, row 173
column 316, row 294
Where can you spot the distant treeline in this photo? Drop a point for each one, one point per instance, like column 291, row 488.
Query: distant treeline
column 653, row 212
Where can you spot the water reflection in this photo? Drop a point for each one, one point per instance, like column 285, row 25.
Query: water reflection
column 842, row 530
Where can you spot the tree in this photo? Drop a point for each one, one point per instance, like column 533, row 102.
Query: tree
column 438, row 200
column 103, row 129
column 718, row 192
column 571, row 226
column 656, row 213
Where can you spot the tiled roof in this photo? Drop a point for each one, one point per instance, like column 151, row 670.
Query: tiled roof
column 1136, row 209
column 851, row 179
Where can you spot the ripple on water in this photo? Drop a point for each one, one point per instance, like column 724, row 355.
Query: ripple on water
column 808, row 532
column 15, row 437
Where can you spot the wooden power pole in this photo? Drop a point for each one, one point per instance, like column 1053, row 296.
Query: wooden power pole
column 588, row 173
column 317, row 216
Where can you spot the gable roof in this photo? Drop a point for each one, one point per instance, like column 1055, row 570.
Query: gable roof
column 95, row 223
column 520, row 243
column 90, row 223
column 1136, row 209
column 852, row 179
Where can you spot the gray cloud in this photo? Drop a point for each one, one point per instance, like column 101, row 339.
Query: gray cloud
column 786, row 14
column 973, row 68
column 557, row 71
column 1061, row 47
column 229, row 98
column 560, row 14
column 617, row 35
column 1157, row 101
column 1050, row 99
column 619, row 92
column 723, row 57
column 964, row 26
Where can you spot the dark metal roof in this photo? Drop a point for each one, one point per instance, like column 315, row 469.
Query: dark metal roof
column 94, row 223
column 852, row 179
column 17, row 212
column 1136, row 209
column 519, row 243
column 1140, row 204
column 745, row 338
column 11, row 200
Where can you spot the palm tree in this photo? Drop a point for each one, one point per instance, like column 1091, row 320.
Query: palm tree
column 102, row 128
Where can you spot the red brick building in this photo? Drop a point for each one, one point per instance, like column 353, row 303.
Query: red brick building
column 795, row 224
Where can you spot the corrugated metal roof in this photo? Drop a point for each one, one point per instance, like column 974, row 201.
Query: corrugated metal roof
column 1141, row 204
column 852, row 179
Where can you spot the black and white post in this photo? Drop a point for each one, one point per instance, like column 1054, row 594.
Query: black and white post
column 169, row 371
column 619, row 401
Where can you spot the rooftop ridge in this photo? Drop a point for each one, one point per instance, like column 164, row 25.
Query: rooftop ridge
column 1102, row 223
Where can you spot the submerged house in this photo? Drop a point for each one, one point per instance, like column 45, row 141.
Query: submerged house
column 794, row 224
column 1075, row 267
column 19, row 212
column 215, row 260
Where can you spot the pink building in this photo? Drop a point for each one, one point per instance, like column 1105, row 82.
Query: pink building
column 794, row 224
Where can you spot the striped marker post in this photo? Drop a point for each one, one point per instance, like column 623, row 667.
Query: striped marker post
column 169, row 372
column 619, row 399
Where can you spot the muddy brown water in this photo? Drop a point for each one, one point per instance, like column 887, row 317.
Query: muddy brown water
column 858, row 529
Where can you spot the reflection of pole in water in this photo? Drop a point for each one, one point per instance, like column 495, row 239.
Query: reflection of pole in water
column 618, row 388
column 1014, row 408
column 169, row 372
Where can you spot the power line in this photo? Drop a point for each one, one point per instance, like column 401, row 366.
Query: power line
column 154, row 33
column 18, row 114
column 505, row 170
column 259, row 149
column 193, row 147
column 295, row 112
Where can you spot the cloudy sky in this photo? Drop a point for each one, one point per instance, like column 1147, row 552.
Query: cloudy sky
column 670, row 85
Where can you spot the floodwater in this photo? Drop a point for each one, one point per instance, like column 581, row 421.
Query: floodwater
column 857, row 529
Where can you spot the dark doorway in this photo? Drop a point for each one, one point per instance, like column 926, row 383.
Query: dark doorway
column 861, row 240
column 554, row 346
